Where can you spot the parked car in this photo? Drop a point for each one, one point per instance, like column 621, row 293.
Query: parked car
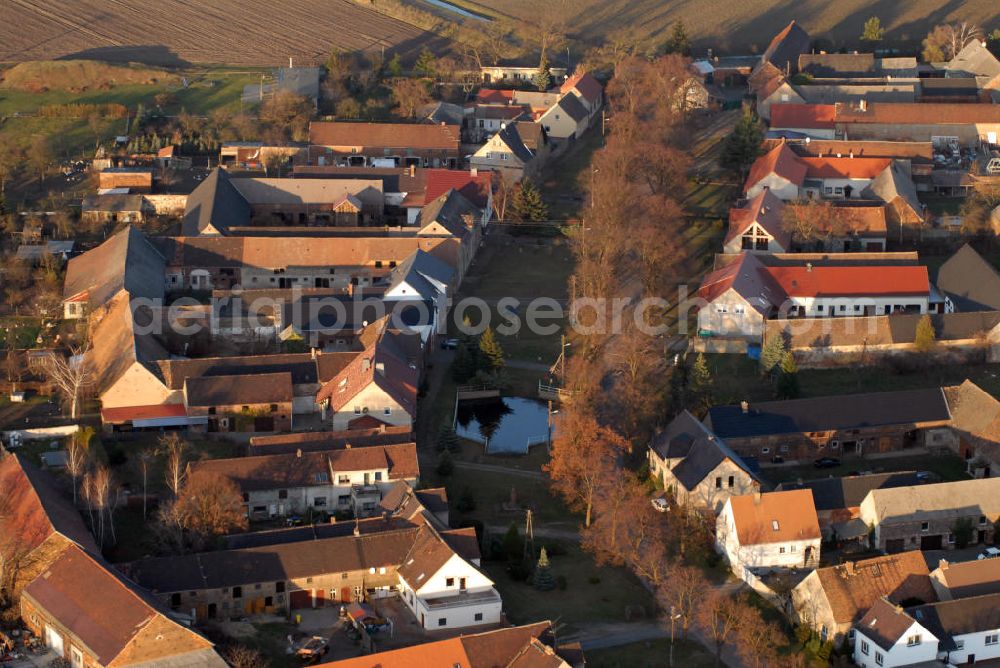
column 826, row 463
column 449, row 344
column 989, row 553
column 660, row 504
column 313, row 648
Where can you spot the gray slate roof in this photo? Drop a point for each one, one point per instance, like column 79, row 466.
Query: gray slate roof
column 126, row 261
column 510, row 136
column 845, row 411
column 572, row 107
column 974, row 60
column 849, row 492
column 451, row 210
column 701, row 450
column 217, row 203
column 419, row 271
column 893, row 183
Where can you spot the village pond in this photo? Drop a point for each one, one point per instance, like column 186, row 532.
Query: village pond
column 504, row 425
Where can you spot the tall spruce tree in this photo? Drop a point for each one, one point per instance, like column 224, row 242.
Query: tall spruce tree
column 678, row 42
column 788, row 381
column 527, row 205
column 491, row 350
column 543, row 579
column 700, row 379
column 542, row 80
column 743, row 145
column 771, row 354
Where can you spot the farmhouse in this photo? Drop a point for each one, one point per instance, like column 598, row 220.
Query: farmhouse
column 832, row 600
column 758, row 226
column 353, row 479
column 768, row 531
column 966, row 578
column 362, row 144
column 312, row 441
column 806, row 120
column 969, row 124
column 112, row 208
column 743, row 293
column 927, row 517
column 961, row 632
column 697, row 466
column 838, row 500
column 507, row 154
column 409, row 559
column 841, row 425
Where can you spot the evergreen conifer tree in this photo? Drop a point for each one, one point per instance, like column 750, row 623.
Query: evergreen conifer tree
column 788, row 381
column 491, row 350
column 527, row 205
column 543, row 579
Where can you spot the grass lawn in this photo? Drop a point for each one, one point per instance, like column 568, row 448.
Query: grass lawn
column 736, row 378
column 651, row 654
column 603, row 600
column 949, row 467
column 520, row 268
column 492, row 489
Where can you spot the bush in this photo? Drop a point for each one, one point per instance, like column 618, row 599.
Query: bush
column 561, row 582
column 594, row 579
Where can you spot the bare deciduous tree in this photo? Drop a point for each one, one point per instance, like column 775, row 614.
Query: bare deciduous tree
column 241, row 656
column 71, row 375
column 78, row 456
column 97, row 490
column 176, row 464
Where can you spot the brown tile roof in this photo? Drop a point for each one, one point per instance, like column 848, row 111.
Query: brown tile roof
column 948, row 619
column 831, row 148
column 975, row 416
column 107, row 614
column 312, row 468
column 384, row 135
column 380, row 364
column 879, row 330
column 854, row 587
column 766, row 210
column 537, row 654
column 885, row 623
column 427, row 556
column 850, row 219
column 303, row 367
column 844, row 168
column 970, row 578
column 784, row 49
column 273, row 563
column 261, row 388
column 434, row 500
column 775, row 517
column 585, row 83
column 464, row 542
column 495, row 649
column 490, row 649
column 117, row 346
column 328, row 440
column 33, row 509
column 920, row 113
column 780, row 160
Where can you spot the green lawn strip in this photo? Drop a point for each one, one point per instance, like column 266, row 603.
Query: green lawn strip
column 651, row 654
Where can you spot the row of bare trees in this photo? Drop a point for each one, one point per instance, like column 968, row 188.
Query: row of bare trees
column 631, row 244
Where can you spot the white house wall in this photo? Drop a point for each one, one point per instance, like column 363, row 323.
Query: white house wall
column 899, row 654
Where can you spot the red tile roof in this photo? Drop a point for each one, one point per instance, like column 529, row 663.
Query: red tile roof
column 844, row 168
column 815, row 116
column 476, row 189
column 586, row 85
column 851, row 281
column 780, row 160
column 129, row 413
column 387, row 135
column 494, row 96
column 775, row 517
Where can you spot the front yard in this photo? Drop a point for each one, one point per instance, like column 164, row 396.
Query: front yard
column 592, row 594
column 651, row 654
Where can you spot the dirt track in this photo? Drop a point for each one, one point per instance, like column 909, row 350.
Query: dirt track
column 177, row 32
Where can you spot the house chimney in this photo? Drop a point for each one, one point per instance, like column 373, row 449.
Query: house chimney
column 347, row 446
column 357, row 527
column 943, row 564
column 851, row 154
column 333, row 519
column 863, row 105
column 413, row 171
column 380, row 368
column 809, row 267
column 313, row 351
column 474, row 172
column 745, row 407
column 756, row 496
column 366, row 364
column 851, row 568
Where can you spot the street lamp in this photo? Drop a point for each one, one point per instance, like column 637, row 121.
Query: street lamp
column 673, row 618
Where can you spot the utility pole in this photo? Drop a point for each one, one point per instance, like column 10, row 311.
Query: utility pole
column 529, row 536
column 673, row 618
